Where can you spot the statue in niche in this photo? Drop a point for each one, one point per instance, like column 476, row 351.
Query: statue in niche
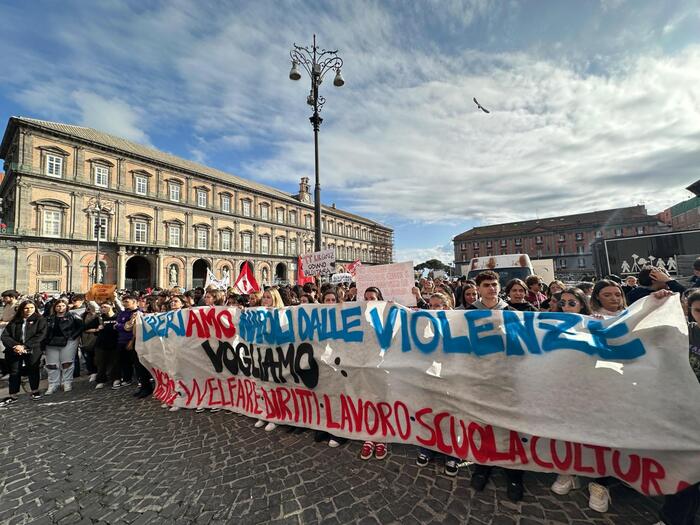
column 98, row 274
column 172, row 274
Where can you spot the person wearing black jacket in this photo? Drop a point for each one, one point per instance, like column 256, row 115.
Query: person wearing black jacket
column 22, row 338
column 651, row 280
column 62, row 339
column 106, row 355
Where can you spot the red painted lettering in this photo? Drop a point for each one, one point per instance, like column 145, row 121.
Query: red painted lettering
column 419, row 418
column 652, row 471
column 566, row 462
column 375, row 418
column 535, row 456
column 460, row 444
column 330, row 423
column 404, row 431
column 578, row 460
column 384, row 413
column 632, row 473
column 517, row 449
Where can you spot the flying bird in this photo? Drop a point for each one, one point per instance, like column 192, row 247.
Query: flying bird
column 482, row 108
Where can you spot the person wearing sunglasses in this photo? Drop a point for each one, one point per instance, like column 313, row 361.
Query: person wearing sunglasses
column 574, row 301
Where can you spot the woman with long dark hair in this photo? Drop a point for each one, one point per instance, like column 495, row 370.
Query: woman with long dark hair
column 64, row 329
column 22, row 339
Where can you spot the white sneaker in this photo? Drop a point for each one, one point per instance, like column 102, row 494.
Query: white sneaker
column 51, row 390
column 599, row 497
column 260, row 423
column 333, row 443
column 99, row 385
column 116, row 385
column 565, row 484
column 93, row 378
column 5, row 377
column 174, row 409
column 270, row 427
column 164, row 405
column 67, row 387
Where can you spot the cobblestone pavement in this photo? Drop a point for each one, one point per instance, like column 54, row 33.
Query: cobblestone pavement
column 103, row 457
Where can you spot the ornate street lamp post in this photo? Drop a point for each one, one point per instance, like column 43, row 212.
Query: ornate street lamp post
column 317, row 62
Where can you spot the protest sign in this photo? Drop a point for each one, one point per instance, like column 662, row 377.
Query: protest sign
column 542, row 391
column 219, row 284
column 394, row 280
column 338, row 278
column 101, row 293
column 319, row 263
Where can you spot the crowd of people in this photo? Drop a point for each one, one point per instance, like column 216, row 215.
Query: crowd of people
column 55, row 331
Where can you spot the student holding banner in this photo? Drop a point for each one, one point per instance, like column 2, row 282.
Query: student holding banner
column 270, row 299
column 373, row 448
column 488, row 285
column 438, row 301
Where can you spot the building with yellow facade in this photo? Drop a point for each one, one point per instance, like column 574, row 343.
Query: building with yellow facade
column 161, row 220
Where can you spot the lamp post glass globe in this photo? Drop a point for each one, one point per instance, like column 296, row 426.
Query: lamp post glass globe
column 294, row 72
column 338, row 81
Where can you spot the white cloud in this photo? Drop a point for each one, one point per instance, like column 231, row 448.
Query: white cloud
column 402, row 139
column 111, row 115
column 419, row 255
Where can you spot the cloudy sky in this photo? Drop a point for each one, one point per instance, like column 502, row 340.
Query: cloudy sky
column 594, row 103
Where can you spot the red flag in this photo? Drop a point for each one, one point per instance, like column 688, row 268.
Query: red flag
column 246, row 282
column 301, row 278
column 350, row 268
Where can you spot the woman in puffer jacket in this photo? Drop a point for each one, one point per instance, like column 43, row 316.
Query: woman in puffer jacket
column 62, row 339
column 22, row 339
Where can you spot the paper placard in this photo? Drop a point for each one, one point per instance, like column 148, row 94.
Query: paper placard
column 394, row 280
column 319, row 263
column 101, row 293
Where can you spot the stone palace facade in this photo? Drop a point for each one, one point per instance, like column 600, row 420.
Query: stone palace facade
column 162, row 220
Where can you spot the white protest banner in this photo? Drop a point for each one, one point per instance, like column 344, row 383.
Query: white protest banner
column 219, row 284
column 319, row 263
column 394, row 280
column 542, row 391
column 425, row 274
column 439, row 274
column 338, row 278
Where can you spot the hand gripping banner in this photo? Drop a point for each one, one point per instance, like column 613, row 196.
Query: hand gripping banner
column 551, row 392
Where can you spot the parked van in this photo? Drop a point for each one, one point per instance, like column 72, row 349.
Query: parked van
column 507, row 267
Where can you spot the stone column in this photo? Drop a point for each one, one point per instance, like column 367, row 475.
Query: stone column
column 157, row 210
column 255, row 212
column 236, row 206
column 79, row 165
column 23, row 210
column 159, row 271
column 188, row 272
column 214, row 233
column 117, row 222
column 188, row 229
column 121, row 267
column 256, row 242
column 74, row 214
column 158, row 183
column 188, row 190
column 236, row 234
column 76, row 273
column 26, row 160
column 121, row 174
column 21, row 277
